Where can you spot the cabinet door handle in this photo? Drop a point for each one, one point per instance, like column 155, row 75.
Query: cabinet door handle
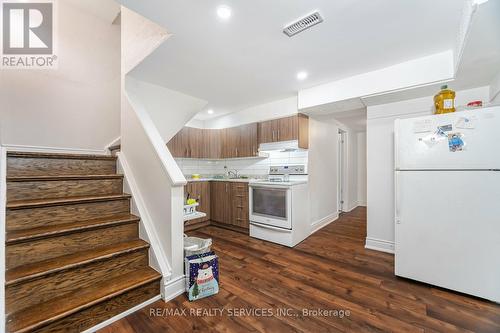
column 278, row 135
column 236, row 151
column 273, row 135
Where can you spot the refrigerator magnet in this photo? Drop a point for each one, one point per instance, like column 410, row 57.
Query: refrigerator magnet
column 455, row 142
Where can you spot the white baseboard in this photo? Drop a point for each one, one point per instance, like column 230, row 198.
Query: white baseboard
column 362, row 203
column 50, row 150
column 173, row 288
column 315, row 226
column 122, row 315
column 379, row 245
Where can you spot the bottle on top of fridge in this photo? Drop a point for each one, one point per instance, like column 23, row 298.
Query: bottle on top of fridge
column 444, row 101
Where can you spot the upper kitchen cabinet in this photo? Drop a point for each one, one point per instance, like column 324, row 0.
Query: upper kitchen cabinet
column 230, row 142
column 179, row 144
column 248, row 144
column 187, row 143
column 285, row 129
column 212, row 144
column 240, row 141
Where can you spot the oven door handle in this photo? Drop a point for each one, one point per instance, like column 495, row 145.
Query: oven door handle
column 270, row 227
column 270, row 188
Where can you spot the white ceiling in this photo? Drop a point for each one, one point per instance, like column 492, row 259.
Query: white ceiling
column 248, row 61
column 481, row 57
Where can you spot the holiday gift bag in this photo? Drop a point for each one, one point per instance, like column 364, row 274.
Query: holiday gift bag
column 202, row 275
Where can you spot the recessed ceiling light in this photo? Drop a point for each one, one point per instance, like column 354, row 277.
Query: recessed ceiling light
column 224, row 12
column 210, row 111
column 302, row 75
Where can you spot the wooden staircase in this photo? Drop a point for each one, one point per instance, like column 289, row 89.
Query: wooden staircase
column 73, row 253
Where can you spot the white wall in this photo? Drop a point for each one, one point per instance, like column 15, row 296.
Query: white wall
column 151, row 172
column 380, row 161
column 168, row 109
column 273, row 110
column 322, row 166
column 361, row 152
column 76, row 106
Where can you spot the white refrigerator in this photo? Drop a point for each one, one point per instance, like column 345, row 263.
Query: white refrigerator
column 447, row 203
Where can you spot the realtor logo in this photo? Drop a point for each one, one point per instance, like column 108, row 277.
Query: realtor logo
column 28, row 35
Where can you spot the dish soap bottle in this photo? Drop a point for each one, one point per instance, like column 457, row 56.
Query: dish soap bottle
column 444, row 101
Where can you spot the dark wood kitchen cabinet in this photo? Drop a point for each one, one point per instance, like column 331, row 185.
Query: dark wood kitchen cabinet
column 239, row 205
column 248, row 143
column 229, row 204
column 179, row 144
column 240, row 141
column 230, row 142
column 285, row 129
column 212, row 142
column 220, row 199
column 233, row 142
column 201, row 192
column 188, row 143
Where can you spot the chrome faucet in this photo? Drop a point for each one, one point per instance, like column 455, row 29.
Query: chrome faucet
column 234, row 173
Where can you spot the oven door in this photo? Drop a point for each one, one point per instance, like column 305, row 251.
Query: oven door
column 271, row 205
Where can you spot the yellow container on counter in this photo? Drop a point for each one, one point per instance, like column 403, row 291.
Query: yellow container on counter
column 444, row 101
column 195, row 176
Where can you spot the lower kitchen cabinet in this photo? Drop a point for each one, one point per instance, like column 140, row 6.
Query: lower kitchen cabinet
column 229, row 204
column 201, row 192
column 225, row 203
column 220, row 200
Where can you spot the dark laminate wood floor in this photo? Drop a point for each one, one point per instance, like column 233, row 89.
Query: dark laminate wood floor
column 330, row 270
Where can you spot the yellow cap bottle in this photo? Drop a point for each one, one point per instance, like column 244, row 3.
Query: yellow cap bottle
column 444, row 101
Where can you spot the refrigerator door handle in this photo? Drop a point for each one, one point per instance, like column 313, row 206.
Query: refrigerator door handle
column 396, row 198
column 396, row 144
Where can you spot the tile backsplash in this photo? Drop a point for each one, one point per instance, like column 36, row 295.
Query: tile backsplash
column 245, row 166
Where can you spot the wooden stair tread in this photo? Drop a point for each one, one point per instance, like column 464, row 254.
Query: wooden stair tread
column 39, row 315
column 17, row 236
column 20, row 204
column 59, row 156
column 33, row 270
column 62, row 177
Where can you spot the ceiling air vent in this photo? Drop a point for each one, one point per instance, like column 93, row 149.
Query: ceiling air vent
column 303, row 24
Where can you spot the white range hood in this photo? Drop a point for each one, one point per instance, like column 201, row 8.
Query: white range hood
column 292, row 145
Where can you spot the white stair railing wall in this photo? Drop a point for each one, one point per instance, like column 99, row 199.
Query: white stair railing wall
column 150, row 116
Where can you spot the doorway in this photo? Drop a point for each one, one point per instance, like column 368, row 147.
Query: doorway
column 341, row 159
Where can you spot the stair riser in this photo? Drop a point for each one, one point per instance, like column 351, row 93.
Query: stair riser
column 98, row 313
column 47, row 248
column 60, row 189
column 41, row 289
column 20, row 219
column 21, row 166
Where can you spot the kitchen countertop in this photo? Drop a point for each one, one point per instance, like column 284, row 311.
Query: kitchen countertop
column 236, row 180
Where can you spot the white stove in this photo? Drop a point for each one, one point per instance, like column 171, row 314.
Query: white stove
column 277, row 210
column 286, row 175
